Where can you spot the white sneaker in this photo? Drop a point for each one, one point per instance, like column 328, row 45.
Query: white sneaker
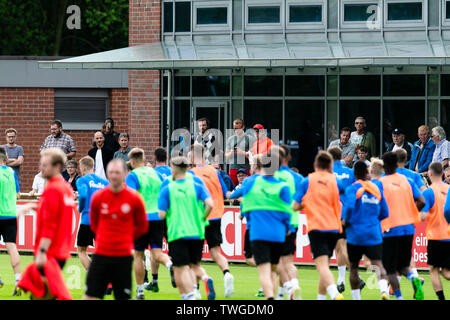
column 280, row 294
column 295, row 293
column 197, row 295
column 228, row 280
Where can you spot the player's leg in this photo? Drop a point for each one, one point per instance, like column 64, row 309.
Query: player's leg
column 265, row 279
column 139, row 273
column 98, row 277
column 436, row 281
column 389, row 259
column 439, row 262
column 85, row 238
column 403, row 265
column 342, row 262
column 264, row 260
column 326, row 279
column 354, row 256
column 195, row 257
column 154, row 267
column 213, row 235
column 122, row 277
column 84, row 257
column 9, row 233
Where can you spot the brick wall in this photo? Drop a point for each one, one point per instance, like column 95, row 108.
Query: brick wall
column 30, row 111
column 144, row 86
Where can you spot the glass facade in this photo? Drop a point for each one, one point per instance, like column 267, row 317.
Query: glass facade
column 357, row 12
column 207, row 16
column 305, row 13
column 264, row 14
column 404, row 11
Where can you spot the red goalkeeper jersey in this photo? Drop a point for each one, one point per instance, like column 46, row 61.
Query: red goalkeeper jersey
column 117, row 219
column 54, row 218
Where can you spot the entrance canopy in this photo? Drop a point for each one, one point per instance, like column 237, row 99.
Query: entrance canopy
column 172, row 55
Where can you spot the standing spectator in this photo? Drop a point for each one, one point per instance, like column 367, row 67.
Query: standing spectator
column 422, row 151
column 207, row 139
column 236, row 150
column 71, row 175
column 15, row 152
column 59, row 139
column 399, row 142
column 447, row 175
column 101, row 155
column 347, row 147
column 122, row 153
column 111, row 137
column 442, row 152
column 362, row 137
column 263, row 142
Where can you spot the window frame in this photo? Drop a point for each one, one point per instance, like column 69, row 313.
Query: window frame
column 406, row 23
column 83, row 93
column 264, row 26
column 359, row 24
column 306, row 25
column 444, row 19
column 212, row 27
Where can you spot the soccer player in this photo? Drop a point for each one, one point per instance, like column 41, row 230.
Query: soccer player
column 147, row 182
column 54, row 211
column 161, row 163
column 438, row 230
column 267, row 207
column 117, row 218
column 87, row 185
column 9, row 191
column 218, row 190
column 404, row 200
column 286, row 268
column 364, row 208
column 319, row 198
column 185, row 204
column 346, row 177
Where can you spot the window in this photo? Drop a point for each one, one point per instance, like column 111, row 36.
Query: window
column 356, row 85
column 445, row 85
column 181, row 86
column 264, row 14
column 447, row 10
column 168, row 17
column 305, row 13
column 211, row 86
column 212, row 16
column 262, row 111
column 263, row 86
column 182, row 16
column 359, row 12
column 404, row 13
column 81, row 109
column 305, row 86
column 404, row 85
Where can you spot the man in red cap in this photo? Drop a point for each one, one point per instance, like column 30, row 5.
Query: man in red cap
column 262, row 143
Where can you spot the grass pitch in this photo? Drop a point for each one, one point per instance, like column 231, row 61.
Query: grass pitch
column 246, row 282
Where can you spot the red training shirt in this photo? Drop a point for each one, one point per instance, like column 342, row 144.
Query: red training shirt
column 117, row 219
column 54, row 218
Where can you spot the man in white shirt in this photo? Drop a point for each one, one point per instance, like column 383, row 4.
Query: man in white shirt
column 101, row 155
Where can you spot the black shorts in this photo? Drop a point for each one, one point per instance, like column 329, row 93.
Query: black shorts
column 104, row 270
column 342, row 235
column 85, row 236
column 248, row 253
column 213, row 233
column 355, row 253
column 439, row 253
column 322, row 243
column 8, row 230
column 289, row 244
column 153, row 237
column 266, row 251
column 397, row 253
column 184, row 252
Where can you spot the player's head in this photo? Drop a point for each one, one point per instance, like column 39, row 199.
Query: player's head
column 285, row 154
column 52, row 162
column 360, row 170
column 435, row 170
column 323, row 161
column 389, row 162
column 270, row 161
column 197, row 154
column 160, row 155
column 376, row 168
column 137, row 157
column 336, row 153
column 116, row 172
column 179, row 165
column 254, row 168
column 3, row 155
column 86, row 165
column 401, row 156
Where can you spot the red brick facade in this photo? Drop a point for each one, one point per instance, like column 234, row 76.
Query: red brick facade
column 144, row 86
column 31, row 110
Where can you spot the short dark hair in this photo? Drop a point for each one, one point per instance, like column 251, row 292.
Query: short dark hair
column 72, row 162
column 161, row 154
column 360, row 170
column 362, row 149
column 124, row 134
column 390, row 160
column 58, row 123
column 3, row 154
column 286, row 151
column 323, row 160
column 402, row 155
column 111, row 120
column 335, row 152
column 436, row 168
column 346, row 129
column 204, row 119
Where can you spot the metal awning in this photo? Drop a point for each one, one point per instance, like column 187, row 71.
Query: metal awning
column 171, row 55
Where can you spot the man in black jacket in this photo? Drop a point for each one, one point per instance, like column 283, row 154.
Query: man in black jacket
column 101, row 154
column 399, row 142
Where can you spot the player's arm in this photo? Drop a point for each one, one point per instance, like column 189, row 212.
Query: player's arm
column 82, row 195
column 418, row 197
column 225, row 191
column 299, row 194
column 447, row 208
column 163, row 201
column 94, row 211
column 285, row 196
column 132, row 181
column 16, row 181
column 429, row 203
column 348, row 205
column 204, row 195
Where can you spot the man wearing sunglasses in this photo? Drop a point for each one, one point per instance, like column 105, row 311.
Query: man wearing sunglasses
column 362, row 137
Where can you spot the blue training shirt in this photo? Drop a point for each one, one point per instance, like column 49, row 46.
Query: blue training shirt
column 414, row 176
column 87, row 185
column 164, row 171
column 267, row 225
column 363, row 216
column 447, row 208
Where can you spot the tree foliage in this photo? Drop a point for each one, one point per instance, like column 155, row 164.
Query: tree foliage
column 38, row 27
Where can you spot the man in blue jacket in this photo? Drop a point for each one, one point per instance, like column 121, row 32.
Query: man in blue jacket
column 422, row 152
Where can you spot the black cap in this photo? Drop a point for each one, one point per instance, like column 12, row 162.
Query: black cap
column 241, row 170
column 398, row 131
